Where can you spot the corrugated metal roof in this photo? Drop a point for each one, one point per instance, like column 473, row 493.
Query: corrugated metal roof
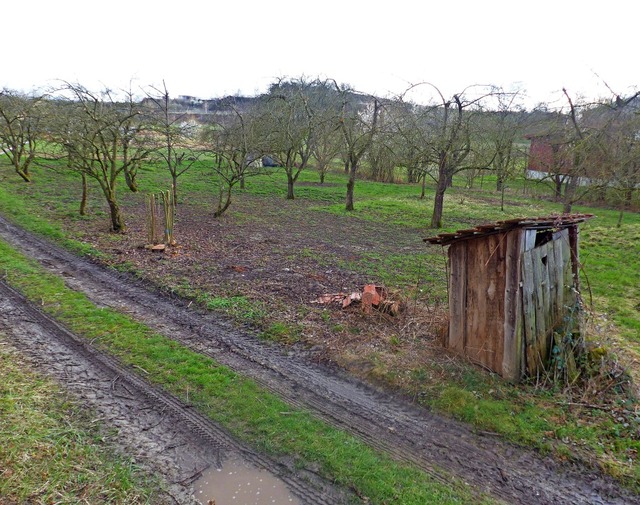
column 553, row 221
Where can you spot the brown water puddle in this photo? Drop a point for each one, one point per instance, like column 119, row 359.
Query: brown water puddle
column 238, row 483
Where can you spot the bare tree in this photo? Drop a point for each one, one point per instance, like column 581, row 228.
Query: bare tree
column 236, row 141
column 327, row 142
column 177, row 148
column 448, row 134
column 386, row 149
column 590, row 145
column 104, row 138
column 358, row 122
column 624, row 145
column 615, row 166
column 417, row 132
column 503, row 127
column 290, row 130
column 21, row 119
column 60, row 125
column 549, row 156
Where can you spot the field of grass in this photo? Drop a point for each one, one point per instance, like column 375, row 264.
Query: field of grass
column 554, row 420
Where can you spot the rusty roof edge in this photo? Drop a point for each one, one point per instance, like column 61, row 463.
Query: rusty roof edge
column 552, row 221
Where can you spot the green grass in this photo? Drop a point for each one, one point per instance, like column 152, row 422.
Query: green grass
column 238, row 307
column 229, row 399
column 611, row 259
column 525, row 414
column 52, row 451
column 611, row 255
column 19, row 204
column 283, row 333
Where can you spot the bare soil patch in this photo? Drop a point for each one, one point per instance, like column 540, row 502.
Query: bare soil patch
column 282, row 257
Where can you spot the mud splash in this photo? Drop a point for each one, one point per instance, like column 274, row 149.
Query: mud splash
column 238, row 483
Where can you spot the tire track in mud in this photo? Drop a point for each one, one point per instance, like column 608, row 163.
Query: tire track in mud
column 125, row 395
column 438, row 445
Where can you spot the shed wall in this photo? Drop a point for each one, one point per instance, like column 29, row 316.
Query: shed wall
column 547, row 292
column 478, row 305
column 506, row 298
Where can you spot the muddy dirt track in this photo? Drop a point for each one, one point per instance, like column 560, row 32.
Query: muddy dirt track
column 158, row 431
column 440, row 446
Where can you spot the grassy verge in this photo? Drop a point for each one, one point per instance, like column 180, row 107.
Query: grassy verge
column 52, row 451
column 245, row 409
column 26, row 212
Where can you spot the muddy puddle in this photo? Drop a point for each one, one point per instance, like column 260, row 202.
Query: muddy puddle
column 238, row 483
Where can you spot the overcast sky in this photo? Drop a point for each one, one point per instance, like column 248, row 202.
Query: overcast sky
column 210, row 48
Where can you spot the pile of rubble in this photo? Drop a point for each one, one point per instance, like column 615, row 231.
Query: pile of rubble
column 372, row 297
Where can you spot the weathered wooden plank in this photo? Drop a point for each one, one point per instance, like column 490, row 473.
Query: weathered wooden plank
column 513, row 350
column 529, row 239
column 457, row 296
column 569, row 293
column 528, row 312
column 475, row 306
column 497, row 267
column 538, row 300
column 485, row 301
column 476, row 302
column 546, row 258
column 551, row 266
column 547, row 268
column 575, row 260
column 558, row 280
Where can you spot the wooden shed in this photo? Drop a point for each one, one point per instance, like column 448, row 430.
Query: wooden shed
column 511, row 285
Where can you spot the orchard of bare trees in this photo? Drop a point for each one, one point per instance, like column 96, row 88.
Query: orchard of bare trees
column 425, row 136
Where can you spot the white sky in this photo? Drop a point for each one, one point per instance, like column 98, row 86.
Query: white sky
column 213, row 48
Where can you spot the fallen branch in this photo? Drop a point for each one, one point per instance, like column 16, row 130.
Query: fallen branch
column 587, row 405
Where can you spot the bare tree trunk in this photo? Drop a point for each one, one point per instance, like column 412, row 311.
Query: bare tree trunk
column 85, row 191
column 424, row 186
column 117, row 222
column 628, row 196
column 627, row 204
column 290, row 182
column 22, row 171
column 499, row 182
column 438, row 203
column 224, row 201
column 174, row 187
column 350, row 185
column 558, row 187
column 569, row 194
column 130, row 179
column 25, row 175
column 322, row 169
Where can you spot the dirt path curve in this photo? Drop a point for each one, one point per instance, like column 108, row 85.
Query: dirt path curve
column 159, row 431
column 438, row 445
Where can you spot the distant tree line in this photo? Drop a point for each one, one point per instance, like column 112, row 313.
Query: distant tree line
column 422, row 136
